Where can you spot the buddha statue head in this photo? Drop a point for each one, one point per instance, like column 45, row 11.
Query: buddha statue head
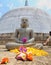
column 24, row 23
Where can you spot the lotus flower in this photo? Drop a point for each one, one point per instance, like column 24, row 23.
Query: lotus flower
column 24, row 40
column 21, row 56
column 22, row 49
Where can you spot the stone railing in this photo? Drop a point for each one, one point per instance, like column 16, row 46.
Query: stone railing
column 9, row 37
column 41, row 37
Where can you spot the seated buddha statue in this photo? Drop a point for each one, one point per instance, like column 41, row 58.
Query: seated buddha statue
column 23, row 36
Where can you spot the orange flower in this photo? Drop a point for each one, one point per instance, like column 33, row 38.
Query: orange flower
column 4, row 60
column 29, row 56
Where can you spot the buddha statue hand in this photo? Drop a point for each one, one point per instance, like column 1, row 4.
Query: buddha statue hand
column 30, row 41
column 17, row 40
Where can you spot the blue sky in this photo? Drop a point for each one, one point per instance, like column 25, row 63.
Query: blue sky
column 7, row 5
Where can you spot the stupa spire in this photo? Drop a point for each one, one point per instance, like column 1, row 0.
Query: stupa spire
column 26, row 2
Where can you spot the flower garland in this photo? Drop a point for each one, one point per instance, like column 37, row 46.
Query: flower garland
column 27, row 53
column 34, row 51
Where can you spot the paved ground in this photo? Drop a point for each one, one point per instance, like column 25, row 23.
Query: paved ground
column 36, row 61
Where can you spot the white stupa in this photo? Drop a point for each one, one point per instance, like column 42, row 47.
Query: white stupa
column 39, row 20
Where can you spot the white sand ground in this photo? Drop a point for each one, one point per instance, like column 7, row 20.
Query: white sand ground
column 36, row 61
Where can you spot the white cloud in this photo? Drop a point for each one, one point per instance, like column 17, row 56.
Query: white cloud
column 0, row 14
column 1, row 5
column 44, row 4
column 11, row 6
column 20, row 0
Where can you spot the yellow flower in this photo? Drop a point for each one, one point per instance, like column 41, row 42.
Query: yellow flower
column 15, row 50
column 36, row 52
column 33, row 51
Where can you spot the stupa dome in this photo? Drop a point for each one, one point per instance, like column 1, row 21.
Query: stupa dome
column 39, row 20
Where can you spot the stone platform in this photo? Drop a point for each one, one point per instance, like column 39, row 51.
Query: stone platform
column 43, row 60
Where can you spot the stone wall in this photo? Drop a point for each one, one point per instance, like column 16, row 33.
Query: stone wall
column 9, row 37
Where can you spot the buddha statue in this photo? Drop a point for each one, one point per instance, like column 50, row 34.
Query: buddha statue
column 23, row 36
